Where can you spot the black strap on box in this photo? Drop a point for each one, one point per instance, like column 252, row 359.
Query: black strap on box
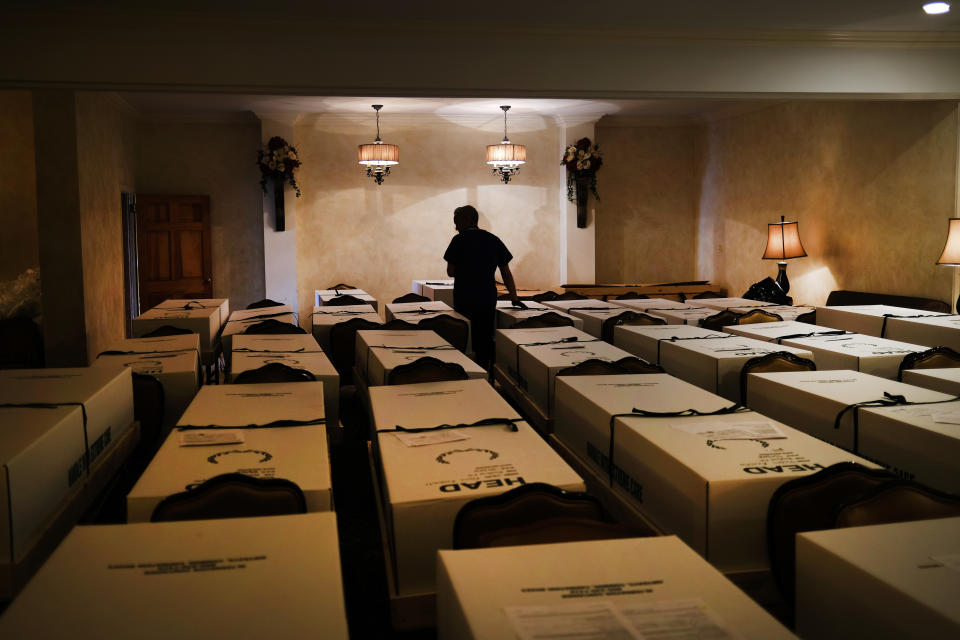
column 887, row 316
column 812, row 334
column 199, row 304
column 343, row 313
column 568, row 309
column 300, row 350
column 486, row 422
column 888, row 400
column 169, row 352
column 267, row 315
column 421, row 311
column 678, row 339
column 642, row 413
column 269, row 425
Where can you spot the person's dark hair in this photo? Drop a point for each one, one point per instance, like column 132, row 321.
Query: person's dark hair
column 470, row 215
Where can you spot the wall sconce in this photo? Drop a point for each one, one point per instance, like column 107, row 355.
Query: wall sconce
column 506, row 157
column 950, row 256
column 783, row 243
column 378, row 157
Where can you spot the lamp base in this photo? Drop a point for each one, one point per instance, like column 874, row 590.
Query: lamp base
column 782, row 280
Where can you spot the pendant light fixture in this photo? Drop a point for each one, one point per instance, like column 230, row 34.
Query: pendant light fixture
column 506, row 157
column 378, row 157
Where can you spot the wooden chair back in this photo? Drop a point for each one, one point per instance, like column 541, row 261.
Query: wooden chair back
column 400, row 325
column 343, row 345
column 810, row 317
column 340, row 285
column 776, row 361
column 453, row 330
column 546, row 295
column 21, row 344
column 755, row 316
column 626, row 318
column 344, row 300
column 719, row 320
column 411, row 297
column 426, row 369
column 571, row 295
column 149, row 400
column 546, row 319
column 266, row 302
column 633, row 364
column 232, row 495
column 274, row 372
column 935, row 358
column 898, row 502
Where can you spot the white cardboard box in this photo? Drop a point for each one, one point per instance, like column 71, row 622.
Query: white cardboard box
column 942, row 380
column 425, row 486
column 296, row 453
column 508, row 341
column 593, row 319
column 236, row 327
column 811, row 400
column 474, row 586
column 39, row 452
column 106, row 394
column 710, row 491
column 417, row 286
column 537, row 366
column 774, row 331
column 276, row 577
column 644, row 341
column 715, row 364
column 324, row 318
column 868, row 318
column 261, row 313
column 690, row 314
column 876, row 356
column 297, row 351
column 415, row 312
column 884, row 581
column 934, row 331
column 568, row 306
column 719, row 304
column 787, row 312
column 379, row 352
column 205, row 322
column 438, row 292
column 323, row 296
column 177, row 370
column 223, row 304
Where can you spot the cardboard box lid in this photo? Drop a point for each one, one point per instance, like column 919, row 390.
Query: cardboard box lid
column 772, row 331
column 256, row 404
column 246, row 314
column 856, row 345
column 878, row 310
column 152, row 364
column 339, row 292
column 21, row 427
column 903, row 556
column 545, row 334
column 495, row 452
column 235, row 327
column 280, row 343
column 844, row 387
column 383, row 340
column 732, row 346
column 921, row 415
column 933, row 378
column 791, row 310
column 432, row 305
column 70, row 384
column 725, row 303
column 530, row 304
column 179, row 314
column 155, row 580
column 332, row 315
column 568, row 354
column 668, row 331
column 632, row 570
column 589, row 303
column 159, row 344
column 650, row 391
column 223, row 304
column 645, row 303
column 686, row 313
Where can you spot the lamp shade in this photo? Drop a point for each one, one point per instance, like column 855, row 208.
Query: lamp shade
column 506, row 154
column 783, row 241
column 951, row 250
column 378, row 154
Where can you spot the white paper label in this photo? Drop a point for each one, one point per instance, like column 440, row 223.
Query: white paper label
column 430, row 437
column 950, row 561
column 689, row 619
column 947, row 417
column 580, row 621
column 197, row 438
column 733, row 431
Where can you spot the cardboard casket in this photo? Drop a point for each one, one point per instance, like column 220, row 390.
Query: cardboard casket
column 645, row 341
column 380, row 352
column 323, row 318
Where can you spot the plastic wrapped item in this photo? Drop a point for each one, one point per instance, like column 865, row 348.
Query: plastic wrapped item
column 20, row 297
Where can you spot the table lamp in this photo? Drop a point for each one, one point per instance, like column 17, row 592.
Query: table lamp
column 783, row 243
column 951, row 250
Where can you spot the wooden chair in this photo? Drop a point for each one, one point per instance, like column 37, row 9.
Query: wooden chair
column 400, row 325
column 149, row 400
column 535, row 513
column 719, row 320
column 266, row 302
column 340, row 285
column 343, row 300
column 710, row 294
column 272, row 326
column 426, row 369
column 546, row 295
column 809, row 317
column 232, row 495
column 631, row 295
column 274, row 372
column 623, row 366
column 546, row 319
column 626, row 318
column 755, row 316
column 21, row 344
column 901, row 501
column 571, row 295
column 343, row 345
column 810, row 503
column 936, row 358
column 776, row 361
column 166, row 330
column 411, row 297
column 453, row 330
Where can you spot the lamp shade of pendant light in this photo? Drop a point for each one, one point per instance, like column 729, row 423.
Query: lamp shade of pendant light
column 378, row 157
column 506, row 157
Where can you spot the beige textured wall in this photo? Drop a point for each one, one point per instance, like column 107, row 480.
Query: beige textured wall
column 105, row 159
column 870, row 183
column 649, row 187
column 217, row 159
column 18, row 186
column 381, row 238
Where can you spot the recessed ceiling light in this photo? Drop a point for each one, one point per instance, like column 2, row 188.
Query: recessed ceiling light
column 934, row 8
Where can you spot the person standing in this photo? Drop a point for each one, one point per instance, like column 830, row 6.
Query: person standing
column 473, row 257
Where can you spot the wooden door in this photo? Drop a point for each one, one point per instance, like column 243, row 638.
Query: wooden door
column 173, row 248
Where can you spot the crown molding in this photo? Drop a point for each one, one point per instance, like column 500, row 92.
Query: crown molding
column 197, row 117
